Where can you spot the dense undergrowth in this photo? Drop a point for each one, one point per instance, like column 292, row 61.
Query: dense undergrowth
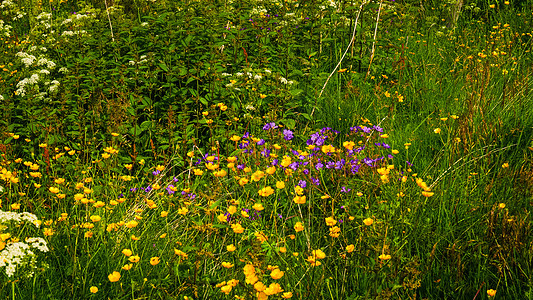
column 266, row 149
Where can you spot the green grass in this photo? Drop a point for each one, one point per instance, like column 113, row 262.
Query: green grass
column 110, row 147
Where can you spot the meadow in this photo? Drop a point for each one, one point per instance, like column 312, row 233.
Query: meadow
column 246, row 149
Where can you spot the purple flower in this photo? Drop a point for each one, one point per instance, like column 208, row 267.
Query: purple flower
column 340, row 164
column 306, row 171
column 156, row 172
column 270, row 125
column 302, row 183
column 169, row 190
column 287, row 134
column 319, row 165
column 265, row 152
column 175, row 179
column 275, row 162
column 330, row 165
column 240, row 166
column 345, row 189
column 294, row 166
column 315, row 181
column 261, row 142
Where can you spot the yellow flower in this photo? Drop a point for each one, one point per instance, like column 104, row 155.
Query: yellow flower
column 127, row 267
column 258, row 207
column 286, row 295
column 280, row 185
column 181, row 253
column 54, row 190
column 437, row 130
column 330, row 221
column 220, row 173
column 271, row 170
column 59, row 180
column 154, row 260
column 198, row 172
column 131, row 224
column 427, row 194
column 276, row 274
column 243, row 181
column 501, row 206
column 88, row 234
column 95, row 218
column 261, row 236
column 97, row 204
column 384, row 257
column 183, row 211
column 505, row 165
column 15, row 206
column 257, row 175
column 48, row 232
column 237, row 228
column 334, row 231
column 231, row 248
column 93, row 289
column 350, row 248
column 127, row 252
column 227, row 265
column 491, row 293
column 299, row 199
column 134, row 258
column 298, row 227
column 368, row 221
column 114, row 277
column 105, row 155
column 164, row 214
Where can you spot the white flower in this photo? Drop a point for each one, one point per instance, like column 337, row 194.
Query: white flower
column 44, row 71
column 144, row 24
column 66, row 21
column 226, row 74
column 63, row 70
column 239, row 74
column 257, row 77
column 268, row 71
column 283, row 80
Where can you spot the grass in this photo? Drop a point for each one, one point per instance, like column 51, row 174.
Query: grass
column 193, row 151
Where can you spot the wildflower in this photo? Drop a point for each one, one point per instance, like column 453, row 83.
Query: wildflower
column 298, row 227
column 54, row 190
column 183, row 210
column 330, row 221
column 266, row 191
column 368, row 221
column 93, row 289
column 154, row 260
column 288, row 135
column 276, row 274
column 127, row 252
column 181, row 254
column 15, row 206
column 501, row 205
column 491, row 293
column 164, row 214
column 334, row 231
column 261, row 236
column 95, row 218
column 227, row 265
column 231, row 248
column 427, row 194
column 258, row 207
column 114, row 277
column 134, row 258
column 384, row 257
column 505, row 165
column 259, row 286
column 237, row 228
column 437, row 130
column 286, row 295
column 299, row 199
column 280, row 185
column 48, row 232
column 131, row 224
column 350, row 248
column 127, row 267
